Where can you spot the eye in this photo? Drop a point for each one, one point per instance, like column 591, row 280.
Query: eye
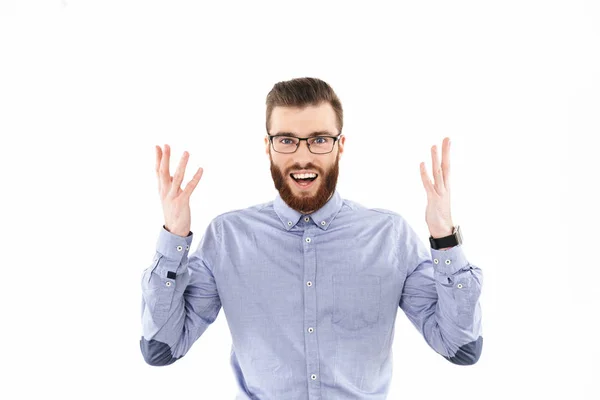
column 321, row 140
column 283, row 141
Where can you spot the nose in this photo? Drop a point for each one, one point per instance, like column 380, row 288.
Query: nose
column 302, row 151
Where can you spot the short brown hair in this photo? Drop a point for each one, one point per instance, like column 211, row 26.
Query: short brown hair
column 301, row 92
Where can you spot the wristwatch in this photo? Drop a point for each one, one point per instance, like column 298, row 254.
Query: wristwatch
column 447, row 241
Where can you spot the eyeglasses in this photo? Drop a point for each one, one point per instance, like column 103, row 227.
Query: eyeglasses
column 289, row 144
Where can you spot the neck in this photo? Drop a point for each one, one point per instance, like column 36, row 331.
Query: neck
column 308, row 212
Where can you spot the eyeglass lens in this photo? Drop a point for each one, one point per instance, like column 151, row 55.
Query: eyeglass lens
column 289, row 144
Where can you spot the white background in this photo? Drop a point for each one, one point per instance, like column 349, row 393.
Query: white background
column 88, row 88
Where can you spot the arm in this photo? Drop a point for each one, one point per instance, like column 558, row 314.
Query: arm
column 441, row 298
column 179, row 296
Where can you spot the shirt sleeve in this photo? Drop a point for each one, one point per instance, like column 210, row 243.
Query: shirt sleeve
column 441, row 297
column 179, row 295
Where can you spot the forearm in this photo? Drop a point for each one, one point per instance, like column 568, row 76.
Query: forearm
column 179, row 297
column 163, row 311
column 441, row 298
column 458, row 312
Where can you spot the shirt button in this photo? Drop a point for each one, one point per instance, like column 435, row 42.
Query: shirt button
column 447, row 262
column 179, row 248
column 459, row 286
column 168, row 283
column 323, row 222
column 306, row 219
column 435, row 261
column 313, row 377
column 307, row 240
column 290, row 223
column 309, row 283
column 310, row 330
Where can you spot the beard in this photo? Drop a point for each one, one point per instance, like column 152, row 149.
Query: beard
column 305, row 203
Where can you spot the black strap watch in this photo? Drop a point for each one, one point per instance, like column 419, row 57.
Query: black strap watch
column 447, row 241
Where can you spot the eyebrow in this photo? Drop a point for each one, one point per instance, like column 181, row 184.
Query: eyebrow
column 317, row 133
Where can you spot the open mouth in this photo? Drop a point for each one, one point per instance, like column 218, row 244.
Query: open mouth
column 304, row 182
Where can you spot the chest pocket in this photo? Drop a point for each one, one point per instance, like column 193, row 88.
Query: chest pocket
column 356, row 301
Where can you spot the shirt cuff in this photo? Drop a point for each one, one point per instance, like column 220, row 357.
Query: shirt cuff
column 449, row 261
column 173, row 247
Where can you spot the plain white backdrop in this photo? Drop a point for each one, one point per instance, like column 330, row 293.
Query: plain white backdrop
column 87, row 89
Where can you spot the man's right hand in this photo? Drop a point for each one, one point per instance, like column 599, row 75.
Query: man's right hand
column 175, row 202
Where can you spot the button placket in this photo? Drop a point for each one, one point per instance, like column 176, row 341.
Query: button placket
column 310, row 307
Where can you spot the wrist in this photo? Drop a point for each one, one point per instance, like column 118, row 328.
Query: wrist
column 182, row 234
column 442, row 233
column 441, row 239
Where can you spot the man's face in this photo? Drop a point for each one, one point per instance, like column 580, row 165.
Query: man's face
column 301, row 123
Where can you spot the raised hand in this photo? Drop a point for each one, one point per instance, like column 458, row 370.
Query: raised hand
column 175, row 202
column 437, row 213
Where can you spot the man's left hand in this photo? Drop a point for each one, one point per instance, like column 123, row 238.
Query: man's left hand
column 437, row 214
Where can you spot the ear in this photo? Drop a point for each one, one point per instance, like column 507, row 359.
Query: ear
column 267, row 145
column 341, row 142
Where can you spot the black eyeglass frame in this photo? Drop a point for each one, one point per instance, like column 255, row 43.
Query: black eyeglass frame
column 335, row 139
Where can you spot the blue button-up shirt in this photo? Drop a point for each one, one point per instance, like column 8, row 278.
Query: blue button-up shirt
column 310, row 300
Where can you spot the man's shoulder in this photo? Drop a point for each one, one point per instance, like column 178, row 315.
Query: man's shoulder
column 245, row 212
column 384, row 217
column 372, row 211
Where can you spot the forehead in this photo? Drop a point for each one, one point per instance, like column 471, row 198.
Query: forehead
column 303, row 121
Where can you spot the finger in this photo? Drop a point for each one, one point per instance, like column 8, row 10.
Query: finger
column 158, row 152
column 158, row 157
column 178, row 177
column 165, row 176
column 436, row 170
column 189, row 188
column 425, row 179
column 446, row 162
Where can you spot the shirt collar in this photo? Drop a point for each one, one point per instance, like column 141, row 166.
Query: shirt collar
column 321, row 217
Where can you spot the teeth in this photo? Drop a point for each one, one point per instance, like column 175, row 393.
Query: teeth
column 304, row 176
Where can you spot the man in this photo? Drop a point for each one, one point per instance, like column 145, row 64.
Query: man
column 310, row 283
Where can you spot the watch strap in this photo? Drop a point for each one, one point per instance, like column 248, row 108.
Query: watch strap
column 446, row 241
